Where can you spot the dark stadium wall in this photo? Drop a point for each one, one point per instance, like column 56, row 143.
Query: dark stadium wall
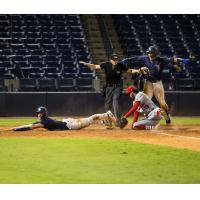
column 84, row 104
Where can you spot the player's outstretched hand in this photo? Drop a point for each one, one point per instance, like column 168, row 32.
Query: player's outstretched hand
column 192, row 58
column 82, row 62
column 144, row 71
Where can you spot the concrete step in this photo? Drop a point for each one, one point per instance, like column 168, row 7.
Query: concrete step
column 94, row 38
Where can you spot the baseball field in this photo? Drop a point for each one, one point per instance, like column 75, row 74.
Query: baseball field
column 170, row 154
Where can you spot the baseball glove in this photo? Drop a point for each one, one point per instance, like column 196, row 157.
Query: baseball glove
column 144, row 71
column 123, row 123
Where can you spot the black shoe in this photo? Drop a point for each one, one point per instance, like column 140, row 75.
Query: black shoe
column 168, row 121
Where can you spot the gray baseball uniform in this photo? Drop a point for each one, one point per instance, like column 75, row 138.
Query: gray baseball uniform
column 151, row 111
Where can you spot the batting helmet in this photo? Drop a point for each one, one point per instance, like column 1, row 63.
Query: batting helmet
column 42, row 110
column 131, row 89
column 152, row 49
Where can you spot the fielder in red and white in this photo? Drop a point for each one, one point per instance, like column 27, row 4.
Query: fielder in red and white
column 143, row 104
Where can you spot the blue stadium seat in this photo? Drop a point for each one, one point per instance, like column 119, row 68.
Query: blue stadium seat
column 86, row 73
column 28, row 84
column 84, row 84
column 52, row 75
column 36, row 75
column 66, row 84
column 184, row 84
column 2, row 85
column 47, row 84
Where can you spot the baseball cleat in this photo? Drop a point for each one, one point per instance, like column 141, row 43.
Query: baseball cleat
column 168, row 121
column 111, row 116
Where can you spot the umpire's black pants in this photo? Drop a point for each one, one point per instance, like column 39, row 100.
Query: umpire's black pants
column 112, row 100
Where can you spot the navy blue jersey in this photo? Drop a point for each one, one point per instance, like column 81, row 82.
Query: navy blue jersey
column 155, row 67
column 113, row 73
column 52, row 124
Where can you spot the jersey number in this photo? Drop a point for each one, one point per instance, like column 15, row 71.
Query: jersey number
column 144, row 106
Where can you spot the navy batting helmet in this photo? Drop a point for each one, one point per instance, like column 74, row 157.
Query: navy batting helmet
column 152, row 49
column 42, row 110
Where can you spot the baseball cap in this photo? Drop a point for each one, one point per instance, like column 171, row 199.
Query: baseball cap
column 114, row 56
column 131, row 89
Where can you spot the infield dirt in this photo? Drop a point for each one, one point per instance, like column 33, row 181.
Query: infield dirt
column 179, row 136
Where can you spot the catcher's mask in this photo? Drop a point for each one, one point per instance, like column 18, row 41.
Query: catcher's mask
column 131, row 89
column 153, row 50
column 43, row 110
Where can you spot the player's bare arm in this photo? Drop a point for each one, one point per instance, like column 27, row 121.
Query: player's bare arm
column 176, row 63
column 142, row 71
column 90, row 65
column 133, row 71
column 28, row 127
column 185, row 61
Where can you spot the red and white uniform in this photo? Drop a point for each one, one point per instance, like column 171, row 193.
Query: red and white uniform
column 143, row 104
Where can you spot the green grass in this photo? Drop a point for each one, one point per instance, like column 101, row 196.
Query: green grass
column 184, row 120
column 78, row 160
column 82, row 160
column 5, row 121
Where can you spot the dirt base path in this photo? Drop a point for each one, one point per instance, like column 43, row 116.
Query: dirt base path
column 185, row 137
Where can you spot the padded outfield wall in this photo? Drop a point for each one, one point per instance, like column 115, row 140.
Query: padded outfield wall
column 86, row 103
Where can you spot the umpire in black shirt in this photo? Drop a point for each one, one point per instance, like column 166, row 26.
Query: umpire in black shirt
column 113, row 70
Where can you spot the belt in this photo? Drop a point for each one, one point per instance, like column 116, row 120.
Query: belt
column 153, row 80
column 113, row 85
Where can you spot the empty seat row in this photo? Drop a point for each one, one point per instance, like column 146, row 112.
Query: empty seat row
column 67, row 84
column 56, row 84
column 172, row 30
column 43, row 41
column 187, row 84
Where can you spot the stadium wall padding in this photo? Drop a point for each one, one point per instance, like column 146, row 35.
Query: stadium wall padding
column 86, row 103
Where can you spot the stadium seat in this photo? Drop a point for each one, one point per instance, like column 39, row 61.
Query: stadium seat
column 66, row 84
column 36, row 75
column 59, row 41
column 28, row 85
column 52, row 75
column 86, row 73
column 84, row 84
column 46, row 85
column 197, row 83
column 2, row 85
column 184, row 84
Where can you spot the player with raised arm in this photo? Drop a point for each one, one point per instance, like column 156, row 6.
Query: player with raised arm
column 66, row 124
column 113, row 70
column 154, row 85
